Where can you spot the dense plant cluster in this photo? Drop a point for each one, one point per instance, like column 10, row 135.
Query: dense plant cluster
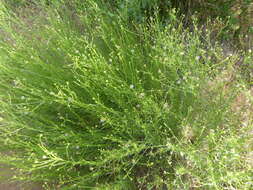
column 93, row 97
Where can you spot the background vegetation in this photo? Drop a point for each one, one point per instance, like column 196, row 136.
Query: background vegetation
column 125, row 94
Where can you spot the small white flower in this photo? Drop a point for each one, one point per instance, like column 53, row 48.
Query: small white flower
column 197, row 58
column 22, row 97
column 138, row 105
column 44, row 157
column 141, row 95
column 131, row 86
column 77, row 147
column 102, row 120
column 165, row 105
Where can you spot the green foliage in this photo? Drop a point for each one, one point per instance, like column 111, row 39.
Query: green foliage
column 94, row 103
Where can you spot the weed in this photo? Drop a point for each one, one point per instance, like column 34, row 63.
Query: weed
column 112, row 104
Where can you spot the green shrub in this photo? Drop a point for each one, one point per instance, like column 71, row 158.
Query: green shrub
column 114, row 106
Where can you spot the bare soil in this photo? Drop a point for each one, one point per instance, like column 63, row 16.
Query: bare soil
column 7, row 173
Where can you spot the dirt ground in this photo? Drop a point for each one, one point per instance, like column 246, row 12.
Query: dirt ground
column 6, row 173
